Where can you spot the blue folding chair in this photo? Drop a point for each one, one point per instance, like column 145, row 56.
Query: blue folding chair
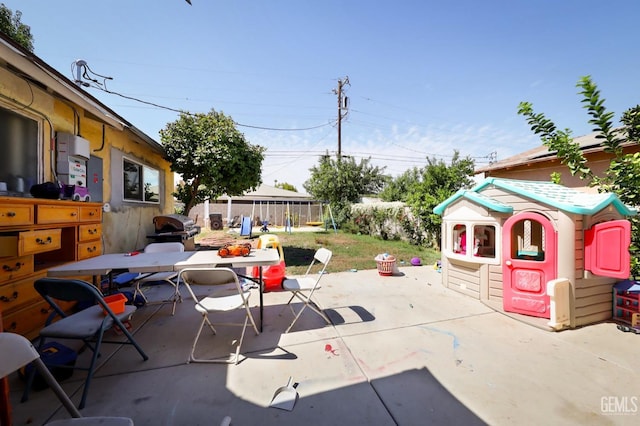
column 88, row 325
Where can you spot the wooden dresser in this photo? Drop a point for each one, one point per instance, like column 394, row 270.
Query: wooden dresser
column 36, row 234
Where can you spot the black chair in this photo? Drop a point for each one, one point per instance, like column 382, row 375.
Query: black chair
column 88, row 325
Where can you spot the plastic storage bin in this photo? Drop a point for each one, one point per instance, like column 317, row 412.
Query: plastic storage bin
column 116, row 303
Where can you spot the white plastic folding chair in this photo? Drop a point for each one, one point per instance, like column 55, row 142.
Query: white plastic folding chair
column 303, row 288
column 160, row 276
column 17, row 352
column 227, row 295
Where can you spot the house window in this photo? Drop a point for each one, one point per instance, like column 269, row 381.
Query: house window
column 141, row 182
column 472, row 241
column 20, row 148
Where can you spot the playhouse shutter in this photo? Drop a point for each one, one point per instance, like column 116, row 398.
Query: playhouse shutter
column 607, row 249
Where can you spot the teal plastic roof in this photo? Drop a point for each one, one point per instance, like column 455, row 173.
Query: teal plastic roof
column 558, row 196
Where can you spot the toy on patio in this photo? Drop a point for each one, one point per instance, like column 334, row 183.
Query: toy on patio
column 415, row 261
column 515, row 243
column 228, row 250
column 386, row 264
column 273, row 275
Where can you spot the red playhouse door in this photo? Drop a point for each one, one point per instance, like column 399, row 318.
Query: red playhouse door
column 529, row 256
column 606, row 249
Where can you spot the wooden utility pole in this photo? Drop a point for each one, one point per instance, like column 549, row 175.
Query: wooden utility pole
column 342, row 105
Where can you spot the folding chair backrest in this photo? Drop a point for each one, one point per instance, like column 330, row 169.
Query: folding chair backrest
column 52, row 289
column 164, row 247
column 322, row 256
column 17, row 352
column 208, row 276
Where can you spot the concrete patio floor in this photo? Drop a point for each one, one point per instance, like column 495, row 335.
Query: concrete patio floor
column 402, row 350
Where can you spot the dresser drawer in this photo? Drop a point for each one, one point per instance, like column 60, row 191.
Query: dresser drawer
column 89, row 249
column 30, row 242
column 89, row 232
column 16, row 214
column 91, row 214
column 15, row 267
column 18, row 293
column 29, row 320
column 57, row 214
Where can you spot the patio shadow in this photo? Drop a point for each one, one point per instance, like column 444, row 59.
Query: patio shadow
column 337, row 318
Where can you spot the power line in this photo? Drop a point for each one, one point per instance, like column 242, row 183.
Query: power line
column 82, row 67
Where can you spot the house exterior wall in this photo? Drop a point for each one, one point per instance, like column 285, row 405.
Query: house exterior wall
column 541, row 169
column 125, row 224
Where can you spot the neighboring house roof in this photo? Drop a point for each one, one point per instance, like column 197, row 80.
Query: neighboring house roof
column 34, row 69
column 270, row 193
column 558, row 196
column 589, row 144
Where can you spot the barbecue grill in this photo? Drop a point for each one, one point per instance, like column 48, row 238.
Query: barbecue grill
column 174, row 227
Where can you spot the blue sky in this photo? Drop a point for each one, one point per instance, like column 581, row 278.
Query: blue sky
column 426, row 77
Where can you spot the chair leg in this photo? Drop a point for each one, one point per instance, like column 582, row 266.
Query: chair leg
column 138, row 291
column 293, row 295
column 87, row 382
column 306, row 302
column 235, row 359
column 232, row 360
column 177, row 297
column 205, row 320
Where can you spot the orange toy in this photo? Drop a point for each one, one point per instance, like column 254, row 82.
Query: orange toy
column 229, row 250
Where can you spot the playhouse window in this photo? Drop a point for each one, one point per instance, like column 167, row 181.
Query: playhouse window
column 141, row 183
column 482, row 244
column 527, row 240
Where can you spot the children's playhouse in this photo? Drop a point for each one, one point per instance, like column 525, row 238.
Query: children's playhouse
column 536, row 248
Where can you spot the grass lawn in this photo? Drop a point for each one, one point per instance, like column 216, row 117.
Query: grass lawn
column 349, row 251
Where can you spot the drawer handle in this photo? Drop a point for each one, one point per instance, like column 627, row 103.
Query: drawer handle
column 44, row 242
column 92, row 249
column 11, row 214
column 92, row 213
column 13, row 326
column 93, row 231
column 8, row 268
column 73, row 214
column 13, row 297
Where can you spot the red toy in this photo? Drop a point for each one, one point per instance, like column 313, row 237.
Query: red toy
column 273, row 275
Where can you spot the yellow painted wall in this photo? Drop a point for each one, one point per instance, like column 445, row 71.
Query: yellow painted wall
column 125, row 227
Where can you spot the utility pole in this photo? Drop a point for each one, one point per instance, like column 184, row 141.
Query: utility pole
column 342, row 105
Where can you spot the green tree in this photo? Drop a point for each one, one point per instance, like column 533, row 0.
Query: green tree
column 286, row 186
column 398, row 189
column 212, row 156
column 436, row 182
column 342, row 182
column 623, row 174
column 12, row 26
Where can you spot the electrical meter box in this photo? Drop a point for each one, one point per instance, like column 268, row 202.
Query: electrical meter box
column 68, row 145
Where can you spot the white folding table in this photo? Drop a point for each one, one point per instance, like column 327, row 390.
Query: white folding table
column 106, row 264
